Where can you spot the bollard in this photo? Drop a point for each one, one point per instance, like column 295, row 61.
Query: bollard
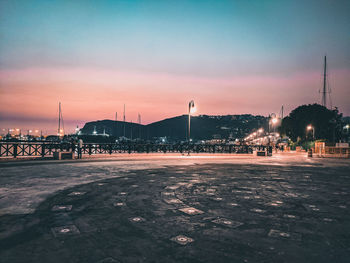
column 309, row 153
column 269, row 151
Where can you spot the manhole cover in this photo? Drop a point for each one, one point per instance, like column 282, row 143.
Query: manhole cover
column 182, row 240
column 191, row 211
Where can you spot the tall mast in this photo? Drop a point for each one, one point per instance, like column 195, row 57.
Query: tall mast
column 124, row 114
column 59, row 119
column 139, row 121
column 324, row 91
column 124, row 120
column 282, row 112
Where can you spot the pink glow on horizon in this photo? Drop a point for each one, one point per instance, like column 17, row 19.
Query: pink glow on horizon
column 95, row 94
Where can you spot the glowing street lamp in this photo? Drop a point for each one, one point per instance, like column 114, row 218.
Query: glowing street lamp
column 309, row 128
column 191, row 109
column 273, row 121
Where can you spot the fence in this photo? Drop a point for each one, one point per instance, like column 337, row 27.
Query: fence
column 45, row 149
column 339, row 152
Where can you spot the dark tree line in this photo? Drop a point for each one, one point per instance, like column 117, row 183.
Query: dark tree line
column 327, row 124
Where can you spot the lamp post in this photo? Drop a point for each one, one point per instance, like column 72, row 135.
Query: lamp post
column 273, row 121
column 309, row 128
column 191, row 109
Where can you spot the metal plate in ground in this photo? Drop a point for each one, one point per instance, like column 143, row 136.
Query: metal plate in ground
column 76, row 193
column 108, row 260
column 137, row 219
column 173, row 201
column 62, row 231
column 191, row 211
column 182, row 240
column 119, row 204
column 61, row 208
column 277, row 233
column 227, row 222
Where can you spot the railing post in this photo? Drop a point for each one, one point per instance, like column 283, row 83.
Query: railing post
column 15, row 150
column 110, row 148
column 43, row 150
column 90, row 150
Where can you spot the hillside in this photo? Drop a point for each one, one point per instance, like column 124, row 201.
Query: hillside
column 202, row 127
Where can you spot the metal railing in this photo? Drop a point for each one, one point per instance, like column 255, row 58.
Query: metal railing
column 46, row 149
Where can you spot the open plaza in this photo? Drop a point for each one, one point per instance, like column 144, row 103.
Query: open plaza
column 176, row 208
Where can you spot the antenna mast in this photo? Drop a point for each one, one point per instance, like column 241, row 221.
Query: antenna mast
column 124, row 120
column 325, row 90
column 139, row 121
column 60, row 120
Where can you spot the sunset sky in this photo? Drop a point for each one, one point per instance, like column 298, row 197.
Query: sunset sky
column 231, row 57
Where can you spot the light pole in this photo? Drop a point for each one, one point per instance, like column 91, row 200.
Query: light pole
column 273, row 121
column 191, row 109
column 309, row 128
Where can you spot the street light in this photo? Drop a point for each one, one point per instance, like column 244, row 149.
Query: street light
column 273, row 121
column 309, row 128
column 191, row 109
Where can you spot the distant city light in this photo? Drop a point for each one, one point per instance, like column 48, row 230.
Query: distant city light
column 309, row 127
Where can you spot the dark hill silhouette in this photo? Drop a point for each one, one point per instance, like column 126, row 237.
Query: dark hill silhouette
column 203, row 127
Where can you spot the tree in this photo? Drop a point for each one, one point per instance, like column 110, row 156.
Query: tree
column 326, row 123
